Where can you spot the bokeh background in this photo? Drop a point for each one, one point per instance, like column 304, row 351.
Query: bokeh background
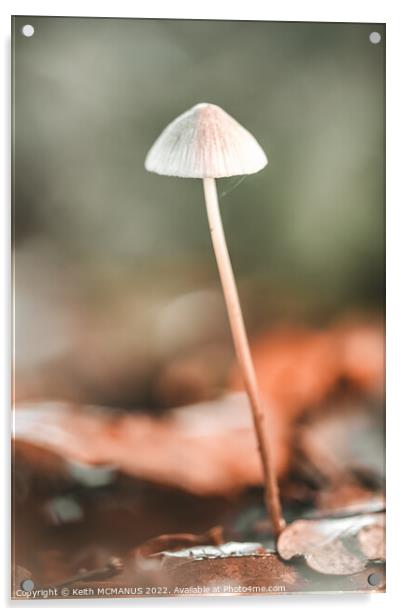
column 126, row 424
column 116, row 260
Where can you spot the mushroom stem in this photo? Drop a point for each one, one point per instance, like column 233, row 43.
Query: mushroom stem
column 243, row 354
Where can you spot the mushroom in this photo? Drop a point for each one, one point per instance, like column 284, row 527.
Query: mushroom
column 206, row 142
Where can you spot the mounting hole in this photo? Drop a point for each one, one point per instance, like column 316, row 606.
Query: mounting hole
column 375, row 38
column 374, row 579
column 27, row 585
column 28, row 30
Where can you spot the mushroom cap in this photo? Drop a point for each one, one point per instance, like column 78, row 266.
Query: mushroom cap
column 205, row 142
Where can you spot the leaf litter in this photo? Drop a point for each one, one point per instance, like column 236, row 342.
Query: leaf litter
column 337, row 546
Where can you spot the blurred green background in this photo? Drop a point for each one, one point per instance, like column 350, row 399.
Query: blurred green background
column 113, row 266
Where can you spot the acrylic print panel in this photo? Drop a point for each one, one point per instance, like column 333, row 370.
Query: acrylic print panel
column 188, row 422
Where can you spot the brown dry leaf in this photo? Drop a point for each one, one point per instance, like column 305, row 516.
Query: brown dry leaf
column 362, row 355
column 339, row 449
column 210, row 448
column 340, row 546
column 261, row 573
column 237, row 574
column 245, row 574
column 206, row 449
column 231, row 568
column 298, row 367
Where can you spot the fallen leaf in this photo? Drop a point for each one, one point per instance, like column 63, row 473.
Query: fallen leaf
column 231, row 568
column 207, row 448
column 372, row 541
column 335, row 546
column 297, row 367
column 244, row 574
column 372, row 505
column 343, row 437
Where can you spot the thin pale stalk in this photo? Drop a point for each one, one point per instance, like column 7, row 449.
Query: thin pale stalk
column 243, row 353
